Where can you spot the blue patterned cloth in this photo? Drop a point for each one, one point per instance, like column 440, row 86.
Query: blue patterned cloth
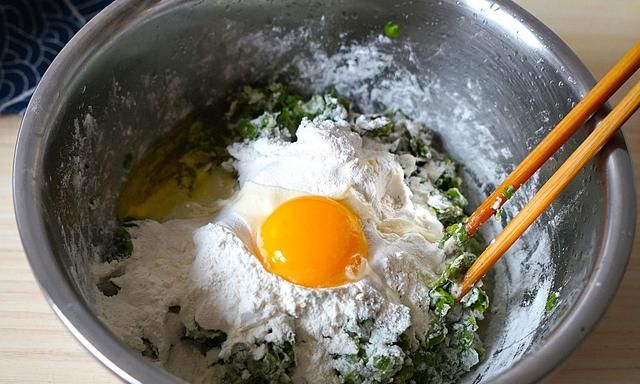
column 32, row 32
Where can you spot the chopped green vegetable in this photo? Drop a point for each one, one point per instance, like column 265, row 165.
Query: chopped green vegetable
column 449, row 178
column 248, row 130
column 458, row 232
column 391, row 29
column 204, row 339
column 243, row 365
column 452, row 345
column 273, row 367
column 455, row 268
column 442, row 301
column 508, row 191
column 368, row 365
column 456, row 197
column 552, row 300
column 108, row 288
column 477, row 300
column 383, row 131
column 150, row 349
column 448, row 216
column 274, row 111
column 120, row 246
column 419, row 148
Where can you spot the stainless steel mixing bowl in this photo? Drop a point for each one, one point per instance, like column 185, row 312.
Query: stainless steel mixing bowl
column 485, row 75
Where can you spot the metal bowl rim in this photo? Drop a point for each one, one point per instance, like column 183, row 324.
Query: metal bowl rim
column 97, row 339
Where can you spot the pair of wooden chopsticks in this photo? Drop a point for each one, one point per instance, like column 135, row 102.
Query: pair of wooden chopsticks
column 600, row 93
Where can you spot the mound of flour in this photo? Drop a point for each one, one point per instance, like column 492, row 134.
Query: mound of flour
column 207, row 271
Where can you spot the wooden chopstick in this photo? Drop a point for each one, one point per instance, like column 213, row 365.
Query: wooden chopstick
column 552, row 188
column 598, row 95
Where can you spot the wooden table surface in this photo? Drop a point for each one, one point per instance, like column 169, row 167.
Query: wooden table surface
column 36, row 348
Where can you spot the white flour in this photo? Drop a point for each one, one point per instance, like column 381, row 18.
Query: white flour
column 208, row 269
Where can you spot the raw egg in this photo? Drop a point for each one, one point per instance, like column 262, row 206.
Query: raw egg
column 313, row 241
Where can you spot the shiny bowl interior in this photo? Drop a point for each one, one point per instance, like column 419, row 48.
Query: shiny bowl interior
column 486, row 76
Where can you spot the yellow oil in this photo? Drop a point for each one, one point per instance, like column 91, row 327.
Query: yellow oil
column 171, row 182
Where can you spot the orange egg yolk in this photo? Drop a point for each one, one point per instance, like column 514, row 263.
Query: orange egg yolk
column 314, row 242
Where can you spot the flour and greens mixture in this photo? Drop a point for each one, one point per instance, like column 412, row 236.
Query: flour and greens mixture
column 182, row 286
